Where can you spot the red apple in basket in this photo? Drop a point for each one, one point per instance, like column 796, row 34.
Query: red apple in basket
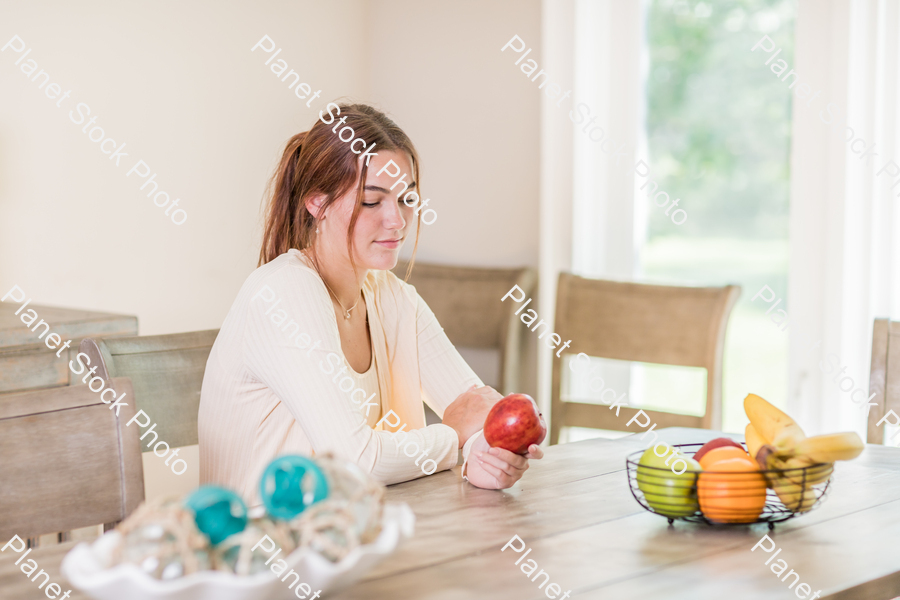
column 515, row 423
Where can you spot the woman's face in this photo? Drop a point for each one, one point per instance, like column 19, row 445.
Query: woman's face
column 384, row 219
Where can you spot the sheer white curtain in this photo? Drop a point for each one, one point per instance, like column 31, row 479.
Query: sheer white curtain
column 844, row 269
column 557, row 51
column 587, row 201
column 607, row 230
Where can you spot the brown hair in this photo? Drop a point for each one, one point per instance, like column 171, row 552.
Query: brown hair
column 318, row 162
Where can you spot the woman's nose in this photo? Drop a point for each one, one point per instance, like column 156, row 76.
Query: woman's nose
column 394, row 219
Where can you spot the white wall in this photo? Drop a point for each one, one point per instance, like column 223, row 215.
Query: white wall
column 436, row 68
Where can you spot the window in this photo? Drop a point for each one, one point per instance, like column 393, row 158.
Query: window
column 718, row 137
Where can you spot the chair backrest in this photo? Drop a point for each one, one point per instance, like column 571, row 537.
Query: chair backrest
column 67, row 461
column 661, row 324
column 466, row 302
column 884, row 378
column 166, row 372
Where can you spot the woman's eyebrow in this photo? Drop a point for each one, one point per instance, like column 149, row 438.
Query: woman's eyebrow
column 378, row 188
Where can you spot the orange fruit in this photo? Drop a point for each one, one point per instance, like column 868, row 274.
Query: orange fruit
column 722, row 453
column 735, row 492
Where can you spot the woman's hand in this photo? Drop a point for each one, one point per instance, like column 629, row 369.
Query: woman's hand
column 496, row 468
column 467, row 413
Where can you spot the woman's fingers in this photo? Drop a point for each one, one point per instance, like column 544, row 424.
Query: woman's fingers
column 499, row 476
column 496, row 468
column 535, row 452
column 520, row 462
column 499, row 463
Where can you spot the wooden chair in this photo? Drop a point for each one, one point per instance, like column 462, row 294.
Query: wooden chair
column 466, row 302
column 166, row 372
column 884, row 377
column 67, row 461
column 638, row 322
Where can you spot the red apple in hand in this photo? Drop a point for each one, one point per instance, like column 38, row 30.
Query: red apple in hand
column 515, row 423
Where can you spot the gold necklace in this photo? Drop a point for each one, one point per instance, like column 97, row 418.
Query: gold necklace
column 346, row 310
column 336, row 299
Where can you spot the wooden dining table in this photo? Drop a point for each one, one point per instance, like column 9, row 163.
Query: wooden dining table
column 27, row 361
column 575, row 512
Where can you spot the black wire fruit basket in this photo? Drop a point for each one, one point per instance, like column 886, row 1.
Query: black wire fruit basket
column 727, row 497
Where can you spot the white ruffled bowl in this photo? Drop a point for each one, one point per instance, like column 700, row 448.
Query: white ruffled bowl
column 83, row 566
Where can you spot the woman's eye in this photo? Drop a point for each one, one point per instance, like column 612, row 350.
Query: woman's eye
column 370, row 204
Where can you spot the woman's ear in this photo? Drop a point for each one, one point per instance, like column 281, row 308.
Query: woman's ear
column 314, row 206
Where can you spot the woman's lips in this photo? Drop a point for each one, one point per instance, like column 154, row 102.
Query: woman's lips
column 390, row 243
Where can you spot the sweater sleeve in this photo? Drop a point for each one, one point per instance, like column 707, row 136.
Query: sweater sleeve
column 292, row 346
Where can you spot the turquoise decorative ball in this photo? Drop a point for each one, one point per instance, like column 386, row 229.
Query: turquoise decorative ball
column 291, row 484
column 218, row 512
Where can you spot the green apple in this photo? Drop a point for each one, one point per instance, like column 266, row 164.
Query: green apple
column 666, row 492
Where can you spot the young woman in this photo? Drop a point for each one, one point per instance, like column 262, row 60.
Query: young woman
column 324, row 349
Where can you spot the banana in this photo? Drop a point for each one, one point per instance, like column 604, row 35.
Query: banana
column 776, row 427
column 793, row 477
column 787, row 439
column 763, row 456
column 830, row 447
column 794, row 463
column 814, row 475
column 789, row 485
column 754, row 440
column 795, row 497
column 801, row 470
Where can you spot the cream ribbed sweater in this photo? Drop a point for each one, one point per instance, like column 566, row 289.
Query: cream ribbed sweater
column 266, row 391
